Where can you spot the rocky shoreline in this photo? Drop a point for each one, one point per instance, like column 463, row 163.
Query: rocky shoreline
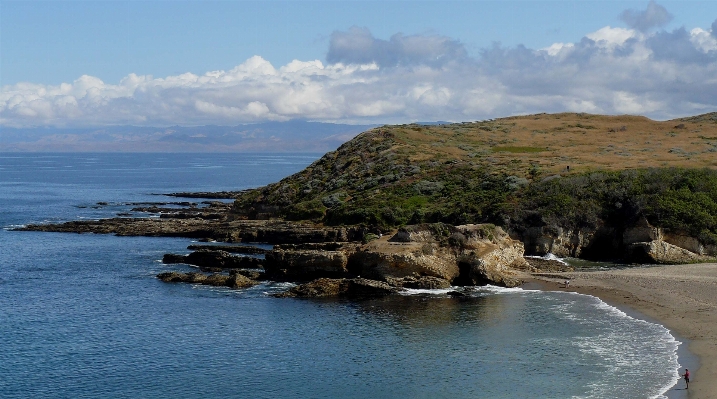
column 325, row 261
column 362, row 260
column 425, row 201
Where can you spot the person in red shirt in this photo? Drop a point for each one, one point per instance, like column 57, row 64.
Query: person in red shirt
column 687, row 378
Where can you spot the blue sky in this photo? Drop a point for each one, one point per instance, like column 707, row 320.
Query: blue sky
column 136, row 56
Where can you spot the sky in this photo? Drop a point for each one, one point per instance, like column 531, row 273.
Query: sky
column 164, row 63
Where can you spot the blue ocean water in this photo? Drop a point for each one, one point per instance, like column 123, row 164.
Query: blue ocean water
column 83, row 316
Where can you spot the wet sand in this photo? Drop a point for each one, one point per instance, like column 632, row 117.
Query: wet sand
column 681, row 297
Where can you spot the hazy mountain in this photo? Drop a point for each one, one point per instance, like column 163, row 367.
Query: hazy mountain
column 292, row 136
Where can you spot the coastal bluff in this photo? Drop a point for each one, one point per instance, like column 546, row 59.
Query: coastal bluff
column 461, row 204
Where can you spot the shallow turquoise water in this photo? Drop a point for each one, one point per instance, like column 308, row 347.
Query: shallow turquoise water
column 82, row 316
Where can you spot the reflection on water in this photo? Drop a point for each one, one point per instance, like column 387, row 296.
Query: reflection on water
column 431, row 311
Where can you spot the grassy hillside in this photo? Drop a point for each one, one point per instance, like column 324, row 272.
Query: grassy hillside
column 567, row 170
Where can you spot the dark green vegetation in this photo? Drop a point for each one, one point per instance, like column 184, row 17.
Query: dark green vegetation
column 463, row 173
column 683, row 200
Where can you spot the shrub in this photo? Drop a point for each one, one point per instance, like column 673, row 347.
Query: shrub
column 306, row 210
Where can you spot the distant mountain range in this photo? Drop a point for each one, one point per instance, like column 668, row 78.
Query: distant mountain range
column 291, row 136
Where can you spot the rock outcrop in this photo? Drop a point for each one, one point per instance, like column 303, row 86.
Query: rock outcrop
column 382, row 259
column 209, row 259
column 226, row 229
column 567, row 243
column 217, row 280
column 489, row 255
column 235, row 249
column 659, row 251
column 640, row 243
column 424, row 282
column 648, row 244
column 469, row 254
column 301, row 265
column 327, row 287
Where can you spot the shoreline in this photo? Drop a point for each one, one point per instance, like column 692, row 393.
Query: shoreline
column 682, row 298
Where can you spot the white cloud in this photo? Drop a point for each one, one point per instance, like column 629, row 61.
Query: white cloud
column 703, row 40
column 611, row 37
column 612, row 70
column 556, row 49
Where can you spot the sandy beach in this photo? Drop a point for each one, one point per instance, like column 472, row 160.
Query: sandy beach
column 681, row 297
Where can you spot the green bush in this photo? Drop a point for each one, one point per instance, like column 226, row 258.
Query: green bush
column 680, row 199
column 306, row 210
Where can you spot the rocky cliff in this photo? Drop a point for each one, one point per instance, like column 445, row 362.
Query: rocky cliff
column 568, row 184
column 422, row 256
column 415, row 205
column 458, row 255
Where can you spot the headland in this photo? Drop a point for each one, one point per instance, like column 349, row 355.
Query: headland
column 417, row 206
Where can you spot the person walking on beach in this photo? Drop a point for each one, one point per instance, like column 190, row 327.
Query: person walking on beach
column 687, row 378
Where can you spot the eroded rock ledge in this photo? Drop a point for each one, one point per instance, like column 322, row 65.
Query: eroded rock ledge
column 343, row 260
column 427, row 256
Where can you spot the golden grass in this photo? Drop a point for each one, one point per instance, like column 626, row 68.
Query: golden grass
column 553, row 142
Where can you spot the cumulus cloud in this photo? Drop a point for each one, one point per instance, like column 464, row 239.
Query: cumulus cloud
column 662, row 74
column 654, row 16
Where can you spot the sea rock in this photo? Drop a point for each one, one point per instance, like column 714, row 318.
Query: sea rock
column 236, row 249
column 171, row 277
column 489, row 258
column 283, row 264
column 279, row 232
column 361, row 287
column 323, row 287
column 176, row 277
column 412, row 251
column 240, row 281
column 222, row 259
column 217, row 280
column 229, row 228
column 467, row 254
column 318, row 246
column 217, row 195
column 420, row 282
column 173, row 258
column 250, row 274
column 327, row 287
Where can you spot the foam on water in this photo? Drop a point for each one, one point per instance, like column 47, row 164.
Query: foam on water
column 419, row 291
column 549, row 256
column 627, row 348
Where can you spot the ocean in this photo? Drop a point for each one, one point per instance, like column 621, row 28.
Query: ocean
column 83, row 316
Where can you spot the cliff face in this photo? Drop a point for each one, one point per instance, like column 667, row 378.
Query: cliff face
column 569, row 184
column 458, row 255
column 641, row 243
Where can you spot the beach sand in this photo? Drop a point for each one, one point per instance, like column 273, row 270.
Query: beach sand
column 681, row 297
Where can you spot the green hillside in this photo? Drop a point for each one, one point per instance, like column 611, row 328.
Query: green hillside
column 563, row 170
